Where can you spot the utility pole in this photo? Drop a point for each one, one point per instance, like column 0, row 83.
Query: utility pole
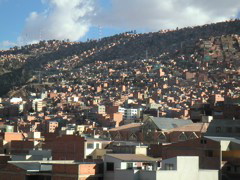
column 146, row 54
column 39, row 76
column 99, row 32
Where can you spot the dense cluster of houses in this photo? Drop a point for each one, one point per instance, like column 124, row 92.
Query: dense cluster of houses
column 175, row 114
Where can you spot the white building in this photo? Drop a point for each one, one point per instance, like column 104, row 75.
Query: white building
column 140, row 167
column 116, row 166
column 37, row 105
column 100, row 109
column 129, row 114
column 34, row 135
column 92, row 144
column 16, row 100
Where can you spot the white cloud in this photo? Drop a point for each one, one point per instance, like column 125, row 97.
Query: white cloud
column 71, row 19
column 164, row 14
column 63, row 20
column 7, row 44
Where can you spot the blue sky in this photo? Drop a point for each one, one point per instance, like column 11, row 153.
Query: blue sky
column 56, row 19
column 13, row 14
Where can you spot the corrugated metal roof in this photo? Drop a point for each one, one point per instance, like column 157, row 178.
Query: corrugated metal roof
column 231, row 139
column 169, row 123
column 127, row 126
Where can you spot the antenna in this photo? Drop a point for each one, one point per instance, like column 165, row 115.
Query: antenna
column 146, row 54
column 39, row 76
column 40, row 35
column 99, row 32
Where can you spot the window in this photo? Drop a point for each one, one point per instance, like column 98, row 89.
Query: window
column 110, row 166
column 228, row 168
column 192, row 136
column 90, row 146
column 169, row 166
column 133, row 137
column 89, row 157
column 97, row 146
column 218, row 129
column 209, row 153
column 182, row 137
column 129, row 165
column 203, row 141
column 162, row 138
column 237, row 168
column 117, row 137
column 99, row 157
column 237, row 129
column 229, row 129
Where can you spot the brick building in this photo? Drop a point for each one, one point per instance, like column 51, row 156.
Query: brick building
column 66, row 147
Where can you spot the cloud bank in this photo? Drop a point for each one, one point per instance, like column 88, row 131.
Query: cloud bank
column 63, row 19
column 166, row 14
column 71, row 19
column 7, row 44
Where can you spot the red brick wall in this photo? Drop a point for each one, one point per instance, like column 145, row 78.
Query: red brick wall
column 11, row 172
column 155, row 150
column 195, row 148
column 65, row 169
column 9, row 175
column 88, row 169
column 59, row 177
column 62, row 170
column 67, row 147
column 12, row 136
column 21, row 147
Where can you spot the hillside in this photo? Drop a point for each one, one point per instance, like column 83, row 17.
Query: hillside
column 211, row 49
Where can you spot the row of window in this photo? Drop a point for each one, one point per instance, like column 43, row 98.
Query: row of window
column 227, row 129
column 91, row 146
column 182, row 137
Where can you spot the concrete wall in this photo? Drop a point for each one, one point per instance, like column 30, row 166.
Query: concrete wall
column 126, row 174
column 208, row 175
column 188, row 164
column 187, row 169
column 45, row 154
column 141, row 150
column 172, row 161
column 34, row 135
column 88, row 151
column 147, row 175
column 109, row 175
column 225, row 145
column 165, row 175
column 195, row 147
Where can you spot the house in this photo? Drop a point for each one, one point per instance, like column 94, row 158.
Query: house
column 66, row 147
column 219, row 153
column 183, row 133
column 209, row 151
column 230, row 153
column 127, row 147
column 157, row 124
column 128, row 132
column 115, row 162
column 118, row 167
column 94, row 148
column 54, row 170
column 224, row 128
